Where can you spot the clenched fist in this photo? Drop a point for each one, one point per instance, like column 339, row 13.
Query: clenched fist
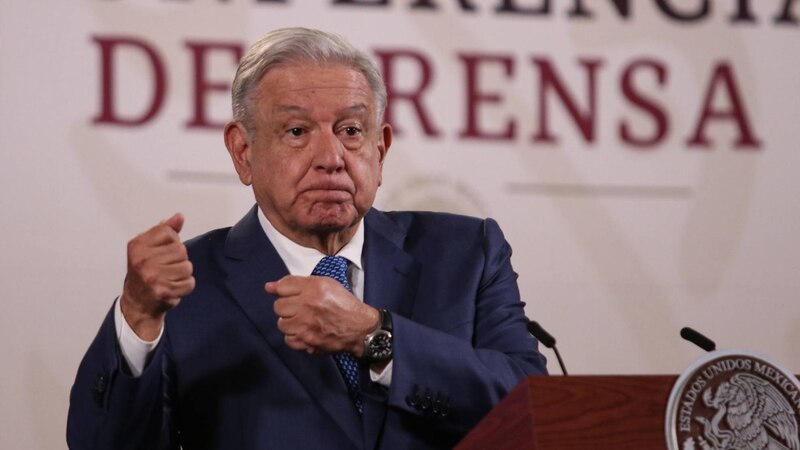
column 318, row 315
column 159, row 274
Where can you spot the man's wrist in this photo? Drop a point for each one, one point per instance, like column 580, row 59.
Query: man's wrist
column 379, row 367
column 378, row 344
column 135, row 351
column 146, row 326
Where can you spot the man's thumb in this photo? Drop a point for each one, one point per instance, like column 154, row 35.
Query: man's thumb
column 175, row 222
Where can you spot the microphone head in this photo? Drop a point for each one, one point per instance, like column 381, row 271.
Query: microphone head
column 698, row 339
column 540, row 334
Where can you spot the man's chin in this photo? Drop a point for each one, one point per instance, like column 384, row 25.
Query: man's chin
column 338, row 223
column 332, row 216
column 332, row 223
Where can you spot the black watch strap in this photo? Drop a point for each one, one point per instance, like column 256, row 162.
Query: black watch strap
column 386, row 320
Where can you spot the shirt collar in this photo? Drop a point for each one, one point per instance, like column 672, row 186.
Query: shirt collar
column 302, row 260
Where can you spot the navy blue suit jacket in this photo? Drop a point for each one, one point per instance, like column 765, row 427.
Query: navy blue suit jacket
column 223, row 378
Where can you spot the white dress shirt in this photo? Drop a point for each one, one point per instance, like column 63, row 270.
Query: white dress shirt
column 299, row 260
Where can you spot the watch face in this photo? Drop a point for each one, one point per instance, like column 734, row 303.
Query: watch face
column 380, row 346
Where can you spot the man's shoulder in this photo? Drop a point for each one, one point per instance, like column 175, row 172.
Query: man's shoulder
column 208, row 240
column 436, row 225
column 239, row 235
column 407, row 219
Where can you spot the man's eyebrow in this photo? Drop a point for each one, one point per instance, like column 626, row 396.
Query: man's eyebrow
column 355, row 109
column 358, row 108
column 292, row 109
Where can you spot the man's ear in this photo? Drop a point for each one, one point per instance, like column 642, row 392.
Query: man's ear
column 237, row 140
column 384, row 142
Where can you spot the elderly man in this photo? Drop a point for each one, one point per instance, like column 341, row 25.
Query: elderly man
column 317, row 321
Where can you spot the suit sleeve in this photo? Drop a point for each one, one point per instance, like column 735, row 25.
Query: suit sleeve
column 453, row 377
column 111, row 409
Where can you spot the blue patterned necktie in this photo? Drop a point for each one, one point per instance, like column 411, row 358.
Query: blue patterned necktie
column 336, row 268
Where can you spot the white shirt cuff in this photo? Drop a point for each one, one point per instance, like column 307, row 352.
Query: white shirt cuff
column 135, row 351
column 384, row 378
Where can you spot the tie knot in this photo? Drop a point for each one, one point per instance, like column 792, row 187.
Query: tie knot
column 334, row 267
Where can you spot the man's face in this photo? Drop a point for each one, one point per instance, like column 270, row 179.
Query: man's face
column 316, row 154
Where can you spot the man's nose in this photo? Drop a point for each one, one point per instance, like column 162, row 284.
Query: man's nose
column 329, row 152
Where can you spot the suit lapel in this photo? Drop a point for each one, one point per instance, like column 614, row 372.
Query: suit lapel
column 390, row 274
column 253, row 262
column 391, row 277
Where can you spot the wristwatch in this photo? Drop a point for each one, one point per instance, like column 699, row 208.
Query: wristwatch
column 378, row 344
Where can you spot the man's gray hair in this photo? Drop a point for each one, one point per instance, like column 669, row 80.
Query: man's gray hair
column 290, row 46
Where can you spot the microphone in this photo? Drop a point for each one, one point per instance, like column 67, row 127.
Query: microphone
column 547, row 340
column 696, row 338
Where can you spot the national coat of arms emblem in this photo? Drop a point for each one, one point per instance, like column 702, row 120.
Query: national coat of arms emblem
column 734, row 400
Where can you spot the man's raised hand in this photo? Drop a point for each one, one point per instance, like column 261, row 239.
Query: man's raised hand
column 318, row 315
column 159, row 275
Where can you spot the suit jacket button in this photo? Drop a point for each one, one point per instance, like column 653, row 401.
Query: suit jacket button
column 412, row 400
column 426, row 403
column 101, row 384
column 99, row 389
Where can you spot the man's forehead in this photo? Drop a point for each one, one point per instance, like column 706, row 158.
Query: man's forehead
column 293, row 109
column 308, row 78
column 302, row 88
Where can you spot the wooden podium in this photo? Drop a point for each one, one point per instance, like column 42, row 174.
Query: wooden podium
column 577, row 412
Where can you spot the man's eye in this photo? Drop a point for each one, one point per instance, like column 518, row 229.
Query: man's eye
column 296, row 132
column 352, row 131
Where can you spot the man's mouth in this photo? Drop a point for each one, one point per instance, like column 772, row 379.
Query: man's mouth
column 329, row 194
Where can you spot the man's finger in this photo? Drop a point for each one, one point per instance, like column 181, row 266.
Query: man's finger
column 173, row 290
column 294, row 343
column 286, row 286
column 182, row 288
column 175, row 222
column 158, row 235
column 169, row 253
column 177, row 271
column 284, row 307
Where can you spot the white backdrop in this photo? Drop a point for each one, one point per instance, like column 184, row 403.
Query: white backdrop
column 618, row 246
